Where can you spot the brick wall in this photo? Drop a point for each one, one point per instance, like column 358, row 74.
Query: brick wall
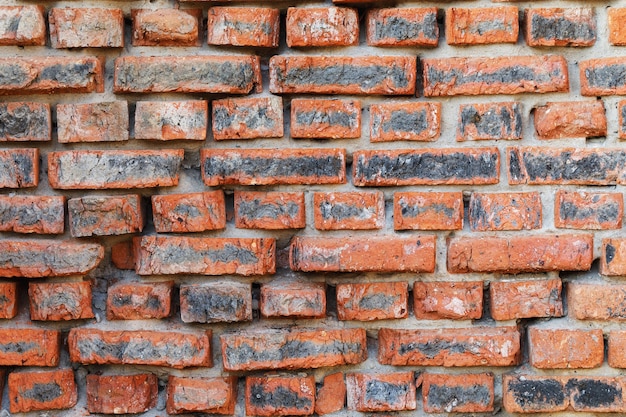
column 305, row 208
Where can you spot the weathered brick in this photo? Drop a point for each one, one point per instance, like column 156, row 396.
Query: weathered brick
column 617, row 347
column 160, row 255
column 482, row 25
column 322, row 26
column 374, row 75
column 121, row 394
column 560, row 27
column 25, row 121
column 19, row 168
column 35, row 391
column 475, row 346
column 596, row 301
column 205, row 395
column 419, row 121
column 139, row 300
column 617, row 31
column 490, row 121
column 525, row 299
column 47, row 258
column 247, row 118
column 273, row 166
column 504, row 211
column 512, row 255
column 427, row 211
column 270, row 210
column 8, row 301
column 448, row 300
column 613, row 257
column 331, row 396
column 171, row 120
column 292, row 349
column 426, row 167
column 244, row 26
column 621, row 125
column 32, row 214
column 590, row 211
column 570, row 119
column 280, row 395
column 105, row 216
column 462, row 393
column 86, row 28
column 299, row 299
column 90, row 169
column 349, row 210
column 174, row 349
column 166, row 27
column 372, row 254
column 92, row 122
column 122, row 255
column 60, row 300
column 325, row 119
column 602, row 76
column 188, row 74
column 495, row 75
column 216, row 302
column 22, row 25
column 414, row 26
column 381, row 392
column 565, row 348
column 193, row 212
column 29, row 347
column 372, row 301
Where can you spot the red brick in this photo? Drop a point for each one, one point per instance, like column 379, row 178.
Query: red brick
column 270, row 349
column 613, row 258
column 247, row 118
column 589, row 211
column 560, row 27
column 19, row 168
column 448, row 300
column 484, row 25
column 415, row 121
column 205, row 395
column 8, row 301
column 60, row 301
column 504, row 211
column 372, row 301
column 475, row 346
column 105, row 216
column 25, row 121
column 369, row 392
column 269, row 210
column 216, row 302
column 122, row 255
column 565, row 348
column 47, row 258
column 32, row 214
column 343, row 75
column 462, row 393
column 280, row 396
column 325, row 119
column 122, row 394
column 160, row 255
column 570, row 119
column 415, row 26
column 244, row 26
column 322, row 26
column 139, row 300
column 426, row 167
column 171, row 120
column 373, row 254
column 35, row 391
column 596, row 301
column 188, row 74
column 602, row 76
column 617, row 31
column 166, row 27
column 25, row 25
column 621, row 125
column 90, row 169
column 193, row 212
column 512, row 255
column 525, row 299
column 427, row 211
column 490, row 121
column 299, row 299
column 92, row 122
column 29, row 347
column 86, row 28
column 617, row 347
column 140, row 347
column 489, row 75
column 273, row 166
column 331, row 396
column 349, row 210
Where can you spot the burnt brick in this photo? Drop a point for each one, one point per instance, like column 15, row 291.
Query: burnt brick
column 300, row 299
column 369, row 392
column 247, row 118
column 590, row 211
column 35, row 391
column 528, row 394
column 372, row 301
column 29, row 347
column 171, row 120
column 269, row 210
column 463, row 393
column 23, row 25
column 220, row 301
column 19, row 168
column 139, row 300
column 32, row 214
column 280, row 396
column 166, row 27
column 22, row 121
column 427, row 211
column 504, row 211
column 105, row 216
column 244, row 26
column 490, row 121
column 349, row 210
column 560, row 27
column 325, row 119
column 602, row 76
column 415, row 26
column 60, row 301
column 405, row 121
column 193, row 212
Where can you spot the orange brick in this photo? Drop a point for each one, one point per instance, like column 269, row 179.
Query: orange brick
column 372, row 301
column 484, row 25
column 216, row 302
column 105, row 216
column 596, row 301
column 617, row 31
column 205, row 395
column 325, row 119
column 248, row 118
column 602, row 76
column 122, row 255
column 415, row 26
column 565, row 348
column 560, row 27
column 617, row 347
column 621, row 126
column 525, row 299
column 19, row 168
column 244, row 26
column 139, row 300
column 193, row 212
column 171, row 120
column 270, row 210
column 589, row 211
column 25, row 121
column 60, row 301
column 490, row 121
column 166, row 27
column 280, row 396
column 86, row 28
column 331, row 396
column 504, row 211
column 92, row 122
column 349, row 210
column 322, row 26
column 122, row 394
column 369, row 392
column 25, row 25
column 8, row 300
column 427, row 211
column 395, row 121
column 463, row 393
column 293, row 299
column 29, row 347
column 613, row 258
column 571, row 119
column 448, row 300
column 32, row 214
column 34, row 391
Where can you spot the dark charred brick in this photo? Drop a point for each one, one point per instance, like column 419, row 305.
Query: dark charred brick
column 280, row 396
column 248, row 118
column 534, row 394
column 596, row 211
column 381, row 392
column 405, row 121
column 269, row 210
column 402, row 27
column 32, row 214
column 490, row 121
column 595, row 394
column 560, row 27
column 19, row 168
column 325, row 119
column 463, row 393
column 105, row 216
column 216, row 302
column 34, row 391
column 139, row 300
column 25, row 122
column 603, row 76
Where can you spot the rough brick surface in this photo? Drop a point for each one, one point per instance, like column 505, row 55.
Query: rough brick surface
column 29, row 347
column 194, row 212
column 60, row 301
column 121, row 394
column 600, row 76
column 280, row 396
column 478, row 26
column 325, row 119
column 565, row 348
column 617, row 344
column 525, row 299
column 25, row 122
column 8, row 300
column 560, row 27
column 171, row 120
column 293, row 299
column 238, row 26
column 221, row 301
column 207, row 395
column 617, row 31
column 32, row 214
column 427, row 211
column 405, row 121
column 97, row 122
column 50, row 390
column 329, row 26
column 19, row 168
column 25, row 25
column 613, row 257
column 590, row 211
column 352, row 211
column 102, row 216
column 247, row 118
column 570, row 119
column 139, row 300
column 597, row 301
column 402, row 27
column 166, row 27
column 489, row 121
column 463, row 393
column 381, row 392
column 504, row 211
column 372, row 301
column 331, row 397
column 86, row 28
column 269, row 210
column 448, row 300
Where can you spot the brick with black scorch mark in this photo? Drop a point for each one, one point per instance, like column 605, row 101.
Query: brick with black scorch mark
column 166, row 27
column 428, row 211
column 375, row 392
column 206, row 395
column 405, row 121
column 105, row 216
column 280, row 396
column 572, row 26
column 244, row 26
column 504, row 211
column 301, row 299
column 29, row 347
column 56, row 301
column 372, row 301
column 349, row 210
column 591, row 211
column 414, row 26
column 92, row 122
column 269, row 210
column 193, row 212
column 23, row 25
column 490, row 121
column 19, row 168
column 247, row 118
column 482, row 25
column 526, row 299
column 216, row 302
column 325, row 119
column 32, row 214
column 613, row 258
column 25, row 121
column 121, row 394
column 171, row 120
column 38, row 391
column 139, row 300
column 8, row 300
column 602, row 76
column 463, row 393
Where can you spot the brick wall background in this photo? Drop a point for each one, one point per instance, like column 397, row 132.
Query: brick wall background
column 296, row 208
